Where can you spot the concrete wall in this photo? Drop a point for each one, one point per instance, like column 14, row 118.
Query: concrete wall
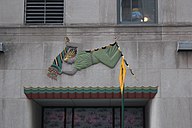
column 19, row 113
column 174, row 12
column 151, row 52
column 11, row 12
column 91, row 12
column 98, row 12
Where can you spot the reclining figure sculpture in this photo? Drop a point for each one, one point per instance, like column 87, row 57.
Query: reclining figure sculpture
column 107, row 55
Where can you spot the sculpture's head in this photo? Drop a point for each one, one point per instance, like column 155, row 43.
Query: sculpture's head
column 70, row 54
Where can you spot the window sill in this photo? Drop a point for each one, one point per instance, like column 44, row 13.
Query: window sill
column 120, row 25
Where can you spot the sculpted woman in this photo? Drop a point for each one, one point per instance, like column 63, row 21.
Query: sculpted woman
column 80, row 59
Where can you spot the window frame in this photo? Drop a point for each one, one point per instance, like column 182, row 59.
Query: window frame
column 119, row 16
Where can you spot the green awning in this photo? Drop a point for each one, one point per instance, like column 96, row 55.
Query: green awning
column 131, row 92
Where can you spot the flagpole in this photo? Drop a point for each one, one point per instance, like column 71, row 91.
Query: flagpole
column 122, row 75
column 122, row 109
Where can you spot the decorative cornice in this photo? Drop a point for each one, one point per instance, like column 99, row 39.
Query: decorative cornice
column 131, row 92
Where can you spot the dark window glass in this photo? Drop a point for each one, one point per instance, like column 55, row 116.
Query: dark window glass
column 92, row 117
column 138, row 11
column 54, row 118
column 133, row 118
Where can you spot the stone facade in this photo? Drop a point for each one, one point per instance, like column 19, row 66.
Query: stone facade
column 150, row 50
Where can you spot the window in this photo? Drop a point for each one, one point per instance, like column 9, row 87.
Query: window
column 100, row 117
column 44, row 11
column 137, row 11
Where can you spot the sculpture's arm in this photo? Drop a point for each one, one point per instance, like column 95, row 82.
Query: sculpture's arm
column 72, row 72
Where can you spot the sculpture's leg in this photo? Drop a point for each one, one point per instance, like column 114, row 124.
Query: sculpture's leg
column 108, row 56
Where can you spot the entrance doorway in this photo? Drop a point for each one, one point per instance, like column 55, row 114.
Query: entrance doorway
column 92, row 117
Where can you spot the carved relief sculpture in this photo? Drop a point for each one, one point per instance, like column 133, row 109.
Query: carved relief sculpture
column 79, row 59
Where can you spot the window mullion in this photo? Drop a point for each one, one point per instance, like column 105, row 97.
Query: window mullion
column 131, row 8
column 121, row 8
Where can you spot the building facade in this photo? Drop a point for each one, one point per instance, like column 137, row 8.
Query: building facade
column 147, row 31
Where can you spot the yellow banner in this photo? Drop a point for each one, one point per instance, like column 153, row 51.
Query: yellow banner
column 122, row 74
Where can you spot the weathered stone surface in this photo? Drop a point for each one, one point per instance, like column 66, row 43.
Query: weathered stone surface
column 24, row 56
column 1, row 113
column 107, row 11
column 79, row 12
column 168, row 55
column 189, row 59
column 11, row 12
column 170, row 116
column 13, row 114
column 11, row 83
column 32, row 114
column 176, row 83
column 183, row 11
column 1, row 83
column 163, row 112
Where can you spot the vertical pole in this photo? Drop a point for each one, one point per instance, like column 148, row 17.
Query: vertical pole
column 122, row 109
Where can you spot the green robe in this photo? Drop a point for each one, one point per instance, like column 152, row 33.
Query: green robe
column 108, row 55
